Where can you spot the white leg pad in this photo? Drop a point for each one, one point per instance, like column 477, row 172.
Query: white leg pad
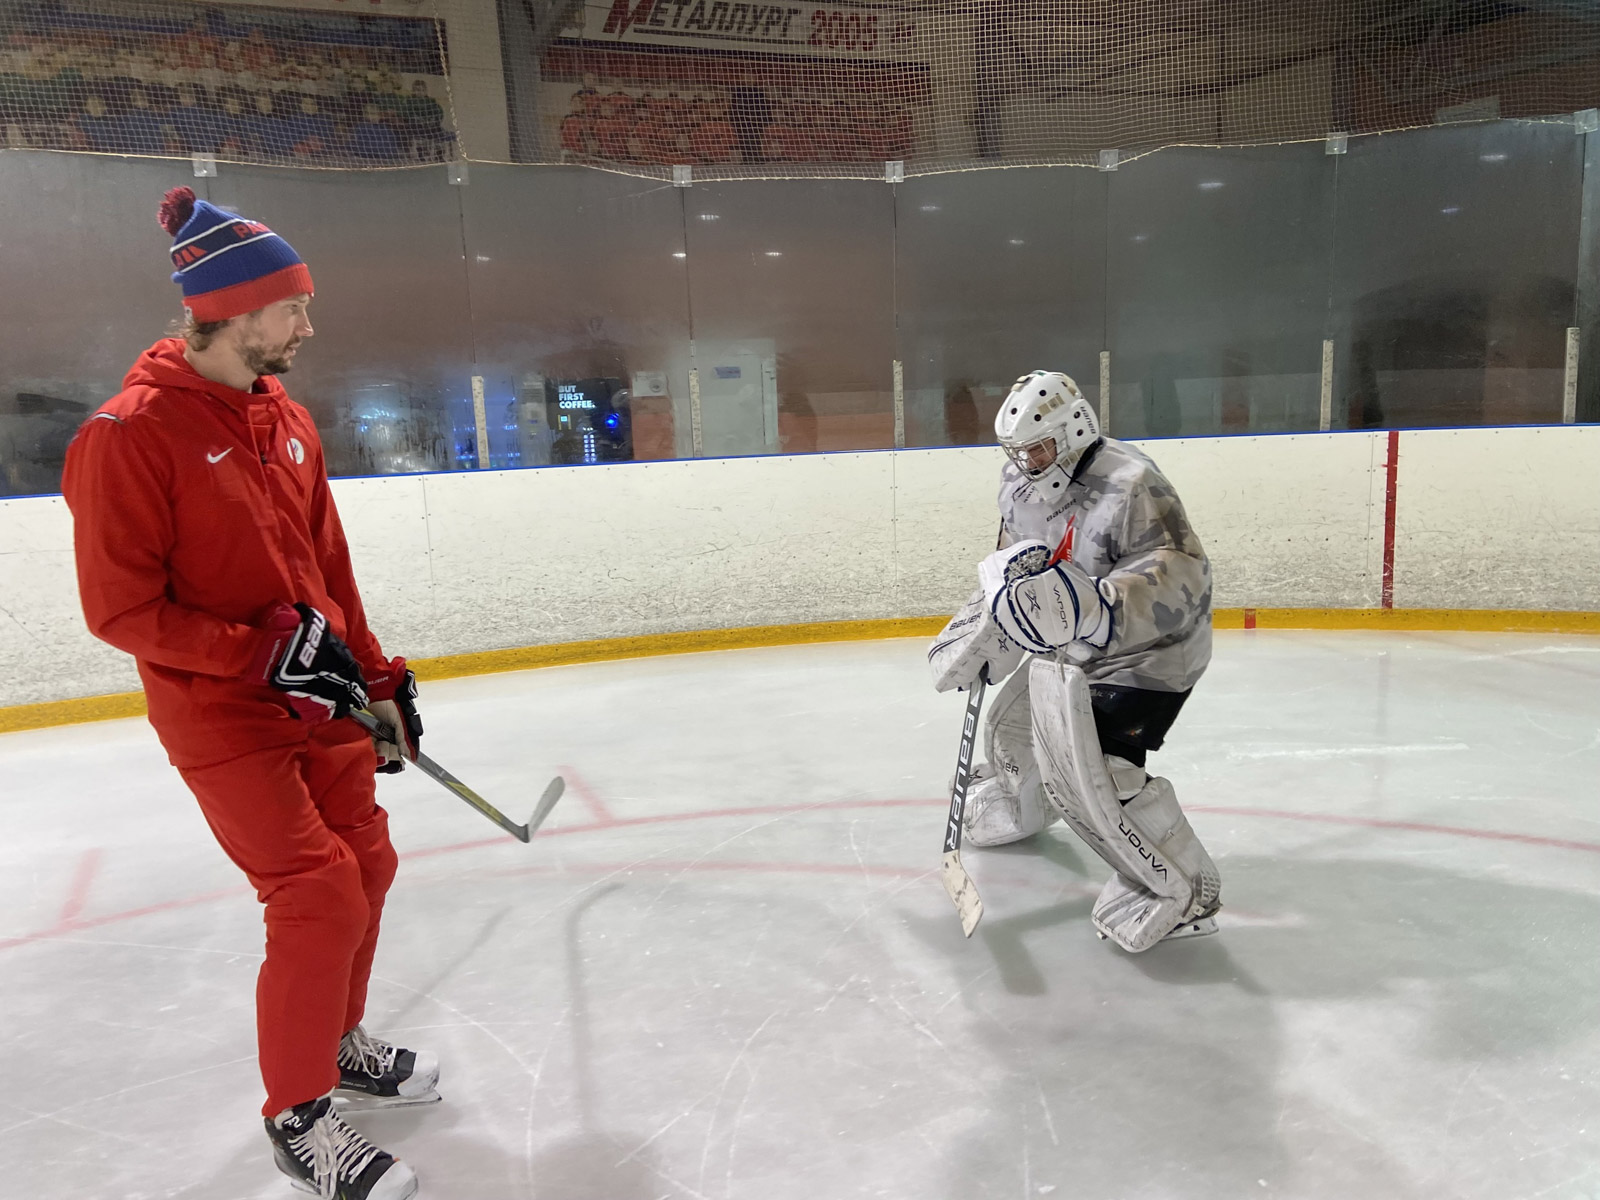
column 1134, row 915
column 1006, row 800
column 1164, row 876
column 1008, row 732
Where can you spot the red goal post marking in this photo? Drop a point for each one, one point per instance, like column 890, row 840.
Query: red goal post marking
column 1391, row 469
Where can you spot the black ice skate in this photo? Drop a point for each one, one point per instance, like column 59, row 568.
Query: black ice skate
column 374, row 1074
column 322, row 1155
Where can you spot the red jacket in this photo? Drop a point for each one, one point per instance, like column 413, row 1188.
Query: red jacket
column 196, row 509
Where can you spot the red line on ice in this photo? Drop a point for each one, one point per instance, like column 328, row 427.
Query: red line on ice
column 78, row 893
column 672, row 819
column 670, row 867
column 77, row 925
column 1492, row 835
column 588, row 795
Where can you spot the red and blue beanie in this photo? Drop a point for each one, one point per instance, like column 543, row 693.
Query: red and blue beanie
column 227, row 264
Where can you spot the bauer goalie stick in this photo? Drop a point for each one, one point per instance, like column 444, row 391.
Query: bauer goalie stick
column 963, row 892
column 433, row 770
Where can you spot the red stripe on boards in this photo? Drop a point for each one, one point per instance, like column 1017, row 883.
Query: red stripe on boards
column 1391, row 476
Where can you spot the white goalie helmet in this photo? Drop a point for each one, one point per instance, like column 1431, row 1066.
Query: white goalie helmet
column 1044, row 423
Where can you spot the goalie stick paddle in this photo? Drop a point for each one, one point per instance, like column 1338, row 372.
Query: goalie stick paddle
column 433, row 770
column 963, row 892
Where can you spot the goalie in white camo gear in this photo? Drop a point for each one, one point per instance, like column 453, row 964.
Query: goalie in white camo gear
column 1098, row 567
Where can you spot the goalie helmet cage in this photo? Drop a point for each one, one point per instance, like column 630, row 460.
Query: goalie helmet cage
column 796, row 90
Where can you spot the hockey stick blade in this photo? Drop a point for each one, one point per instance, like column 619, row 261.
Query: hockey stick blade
column 962, row 891
column 553, row 792
column 434, row 771
column 958, row 884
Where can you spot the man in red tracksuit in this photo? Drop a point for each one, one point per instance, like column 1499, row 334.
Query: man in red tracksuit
column 208, row 547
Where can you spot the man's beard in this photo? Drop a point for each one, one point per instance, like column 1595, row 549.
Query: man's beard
column 264, row 361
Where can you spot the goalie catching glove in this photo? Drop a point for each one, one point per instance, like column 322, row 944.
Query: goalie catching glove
column 1043, row 605
column 303, row 656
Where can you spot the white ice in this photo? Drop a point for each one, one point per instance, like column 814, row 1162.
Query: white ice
column 727, row 967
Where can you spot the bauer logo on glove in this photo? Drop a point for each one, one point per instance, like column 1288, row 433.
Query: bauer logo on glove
column 1043, row 607
column 968, row 644
column 305, row 659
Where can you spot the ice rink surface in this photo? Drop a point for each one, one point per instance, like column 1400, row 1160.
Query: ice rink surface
column 727, row 968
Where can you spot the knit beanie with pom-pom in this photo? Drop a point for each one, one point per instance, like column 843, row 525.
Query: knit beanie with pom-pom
column 227, row 264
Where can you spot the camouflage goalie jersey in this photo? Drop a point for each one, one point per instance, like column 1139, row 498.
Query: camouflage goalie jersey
column 1129, row 527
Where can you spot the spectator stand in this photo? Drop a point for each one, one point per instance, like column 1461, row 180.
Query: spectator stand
column 178, row 79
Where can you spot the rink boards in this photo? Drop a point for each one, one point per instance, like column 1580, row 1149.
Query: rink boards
column 1467, row 519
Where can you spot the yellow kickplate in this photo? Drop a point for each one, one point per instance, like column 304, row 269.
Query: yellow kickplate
column 131, row 704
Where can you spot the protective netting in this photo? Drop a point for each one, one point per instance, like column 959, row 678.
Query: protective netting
column 783, row 89
column 237, row 82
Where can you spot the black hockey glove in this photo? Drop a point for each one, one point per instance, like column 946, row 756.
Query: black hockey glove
column 305, row 658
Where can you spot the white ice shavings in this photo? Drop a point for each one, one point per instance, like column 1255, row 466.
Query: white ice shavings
column 722, row 1091
column 710, row 850
column 715, row 1094
column 1044, row 1106
column 55, row 1116
column 916, row 1024
column 733, row 1136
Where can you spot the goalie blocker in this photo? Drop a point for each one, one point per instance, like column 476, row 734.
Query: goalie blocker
column 969, row 642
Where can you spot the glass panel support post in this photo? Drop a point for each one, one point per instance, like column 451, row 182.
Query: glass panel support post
column 480, row 418
column 1105, row 391
column 1584, row 360
column 899, row 405
column 696, row 437
column 1325, row 404
column 1569, row 379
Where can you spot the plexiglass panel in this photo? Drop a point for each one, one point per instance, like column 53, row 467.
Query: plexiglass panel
column 792, row 294
column 388, row 374
column 1454, row 277
column 580, row 302
column 573, row 316
column 85, row 271
column 1216, row 290
column 997, row 273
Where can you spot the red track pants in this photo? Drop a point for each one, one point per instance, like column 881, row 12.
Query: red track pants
column 303, row 823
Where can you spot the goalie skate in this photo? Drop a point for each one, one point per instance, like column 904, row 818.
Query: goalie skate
column 1202, row 927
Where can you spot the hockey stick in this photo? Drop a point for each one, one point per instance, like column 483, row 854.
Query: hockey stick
column 963, row 892
column 433, row 770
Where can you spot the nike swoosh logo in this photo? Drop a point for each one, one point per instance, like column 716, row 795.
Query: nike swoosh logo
column 216, row 458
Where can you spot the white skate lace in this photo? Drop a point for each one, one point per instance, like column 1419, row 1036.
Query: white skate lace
column 335, row 1151
column 360, row 1050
